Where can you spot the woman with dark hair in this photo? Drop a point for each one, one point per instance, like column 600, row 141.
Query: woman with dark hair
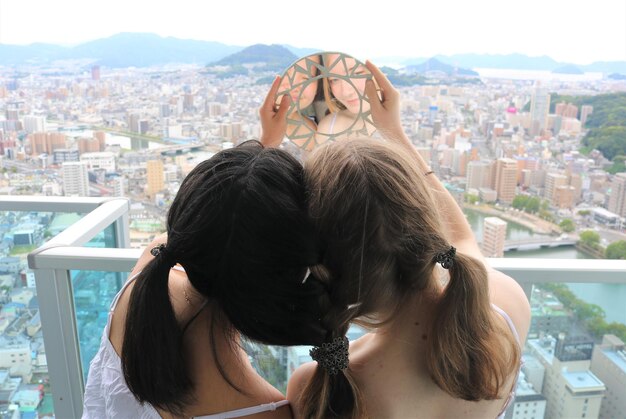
column 401, row 258
column 233, row 263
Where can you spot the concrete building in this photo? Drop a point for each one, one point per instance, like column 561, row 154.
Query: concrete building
column 494, row 235
column 46, row 142
column 75, row 179
column 617, row 202
column 528, row 403
column 99, row 160
column 608, row 363
column 553, row 180
column 585, row 111
column 478, row 174
column 539, row 108
column 506, row 179
column 564, row 197
column 571, row 390
column 155, row 178
column 34, row 124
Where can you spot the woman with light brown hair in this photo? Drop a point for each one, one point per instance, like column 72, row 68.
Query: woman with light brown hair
column 400, row 257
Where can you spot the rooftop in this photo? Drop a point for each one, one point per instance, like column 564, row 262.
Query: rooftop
column 579, row 381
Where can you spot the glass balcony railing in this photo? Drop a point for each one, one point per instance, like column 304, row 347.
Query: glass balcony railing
column 76, row 282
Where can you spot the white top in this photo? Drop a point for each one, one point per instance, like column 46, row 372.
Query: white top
column 108, row 396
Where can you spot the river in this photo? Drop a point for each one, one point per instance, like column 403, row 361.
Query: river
column 610, row 297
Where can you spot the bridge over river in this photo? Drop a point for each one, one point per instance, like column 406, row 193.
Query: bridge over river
column 533, row 243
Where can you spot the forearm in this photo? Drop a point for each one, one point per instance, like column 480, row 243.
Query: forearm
column 456, row 227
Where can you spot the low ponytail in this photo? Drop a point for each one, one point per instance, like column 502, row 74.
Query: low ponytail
column 331, row 395
column 470, row 356
column 152, row 351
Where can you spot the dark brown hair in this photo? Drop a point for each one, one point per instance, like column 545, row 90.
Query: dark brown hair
column 380, row 227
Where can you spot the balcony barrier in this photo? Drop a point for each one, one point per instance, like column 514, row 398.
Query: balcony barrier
column 53, row 262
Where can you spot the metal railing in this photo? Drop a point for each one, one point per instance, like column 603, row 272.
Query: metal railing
column 53, row 262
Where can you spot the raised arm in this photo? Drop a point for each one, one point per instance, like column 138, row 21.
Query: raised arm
column 273, row 121
column 386, row 116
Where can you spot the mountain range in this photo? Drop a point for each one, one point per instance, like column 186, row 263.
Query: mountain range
column 146, row 49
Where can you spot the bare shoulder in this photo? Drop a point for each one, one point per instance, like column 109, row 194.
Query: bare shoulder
column 507, row 294
column 298, row 382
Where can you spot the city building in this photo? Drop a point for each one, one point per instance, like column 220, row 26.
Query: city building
column 506, row 179
column 617, row 201
column 494, row 235
column 571, row 390
column 528, row 403
column 539, row 108
column 553, row 180
column 154, row 177
column 585, row 111
column 46, row 142
column 99, row 160
column 75, row 179
column 608, row 363
column 479, row 174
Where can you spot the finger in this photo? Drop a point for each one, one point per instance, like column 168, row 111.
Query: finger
column 268, row 104
column 284, row 107
column 380, row 77
column 372, row 95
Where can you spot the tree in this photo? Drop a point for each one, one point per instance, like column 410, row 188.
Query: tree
column 471, row 198
column 584, row 213
column 567, row 225
column 616, row 250
column 590, row 238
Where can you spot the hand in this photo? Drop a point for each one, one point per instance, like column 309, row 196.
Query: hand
column 273, row 122
column 385, row 112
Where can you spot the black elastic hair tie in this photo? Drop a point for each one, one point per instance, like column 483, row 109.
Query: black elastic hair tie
column 160, row 251
column 446, row 259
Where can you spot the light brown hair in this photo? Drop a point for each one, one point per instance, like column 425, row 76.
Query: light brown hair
column 380, row 226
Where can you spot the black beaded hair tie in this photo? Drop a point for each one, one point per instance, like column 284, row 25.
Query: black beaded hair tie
column 332, row 356
column 160, row 251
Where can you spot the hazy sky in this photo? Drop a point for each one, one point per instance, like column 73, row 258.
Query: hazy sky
column 567, row 30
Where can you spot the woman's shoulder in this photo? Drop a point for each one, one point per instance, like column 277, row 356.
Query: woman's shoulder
column 508, row 296
column 298, row 382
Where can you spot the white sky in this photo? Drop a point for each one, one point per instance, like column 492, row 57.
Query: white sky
column 573, row 31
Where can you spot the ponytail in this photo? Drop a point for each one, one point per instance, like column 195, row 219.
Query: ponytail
column 152, row 351
column 329, row 395
column 467, row 357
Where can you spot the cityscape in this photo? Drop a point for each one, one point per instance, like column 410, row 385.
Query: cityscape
column 515, row 152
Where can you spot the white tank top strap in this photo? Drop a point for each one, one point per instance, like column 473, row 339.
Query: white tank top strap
column 246, row 411
column 331, row 129
column 128, row 282
column 509, row 322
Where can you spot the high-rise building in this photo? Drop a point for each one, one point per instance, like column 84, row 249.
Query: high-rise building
column 506, row 179
column 479, row 174
column 95, row 72
column 34, row 123
column 608, row 363
column 553, row 181
column 46, row 142
column 75, row 179
column 539, row 108
column 585, row 111
column 566, row 109
column 528, row 402
column 572, row 391
column 563, row 197
column 494, row 235
column 617, row 202
column 154, row 176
